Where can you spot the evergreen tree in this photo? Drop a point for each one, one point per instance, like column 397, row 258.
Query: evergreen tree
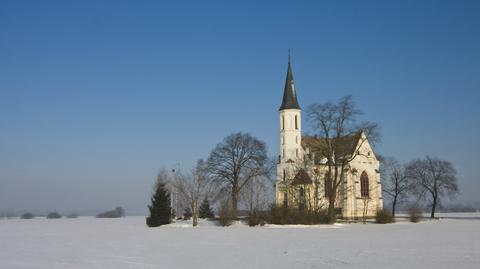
column 187, row 213
column 205, row 211
column 160, row 209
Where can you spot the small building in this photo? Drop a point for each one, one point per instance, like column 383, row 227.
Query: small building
column 303, row 172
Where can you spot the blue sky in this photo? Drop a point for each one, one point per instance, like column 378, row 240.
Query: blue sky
column 96, row 96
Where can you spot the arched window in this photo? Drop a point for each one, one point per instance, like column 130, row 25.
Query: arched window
column 328, row 185
column 364, row 184
column 283, row 122
column 285, row 199
column 302, row 200
column 296, row 122
column 284, row 174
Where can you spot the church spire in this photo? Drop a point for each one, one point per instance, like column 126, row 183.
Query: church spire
column 289, row 95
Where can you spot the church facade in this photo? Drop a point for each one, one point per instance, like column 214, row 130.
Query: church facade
column 302, row 178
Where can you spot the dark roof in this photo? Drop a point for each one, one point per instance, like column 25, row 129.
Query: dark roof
column 302, row 177
column 346, row 145
column 289, row 95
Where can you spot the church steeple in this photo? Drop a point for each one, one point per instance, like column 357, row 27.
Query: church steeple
column 289, row 95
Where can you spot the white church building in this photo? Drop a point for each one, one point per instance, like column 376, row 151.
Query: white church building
column 302, row 172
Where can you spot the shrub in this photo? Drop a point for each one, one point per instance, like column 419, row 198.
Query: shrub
column 28, row 215
column 205, row 211
column 225, row 214
column 414, row 214
column 72, row 216
column 116, row 213
column 384, row 216
column 286, row 215
column 54, row 215
column 255, row 218
column 187, row 213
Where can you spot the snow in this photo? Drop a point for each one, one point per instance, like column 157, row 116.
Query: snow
column 86, row 242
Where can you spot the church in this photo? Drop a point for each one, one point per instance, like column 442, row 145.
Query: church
column 302, row 172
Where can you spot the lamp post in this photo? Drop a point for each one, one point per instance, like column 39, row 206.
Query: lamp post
column 173, row 201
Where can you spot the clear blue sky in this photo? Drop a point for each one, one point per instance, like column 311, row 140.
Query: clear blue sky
column 96, row 96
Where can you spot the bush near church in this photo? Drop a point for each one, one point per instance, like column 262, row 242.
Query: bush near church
column 256, row 217
column 225, row 215
column 288, row 215
column 414, row 214
column 384, row 216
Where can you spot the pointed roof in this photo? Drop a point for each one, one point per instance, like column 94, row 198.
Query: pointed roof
column 302, row 177
column 346, row 145
column 289, row 95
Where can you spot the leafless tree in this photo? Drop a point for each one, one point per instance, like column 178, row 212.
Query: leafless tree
column 433, row 178
column 255, row 194
column 193, row 187
column 366, row 200
column 236, row 161
column 335, row 123
column 395, row 181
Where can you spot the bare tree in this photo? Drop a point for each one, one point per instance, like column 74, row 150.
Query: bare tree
column 336, row 124
column 193, row 187
column 236, row 161
column 434, row 178
column 366, row 200
column 395, row 181
column 255, row 194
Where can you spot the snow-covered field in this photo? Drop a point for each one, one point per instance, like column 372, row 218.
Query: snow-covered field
column 87, row 242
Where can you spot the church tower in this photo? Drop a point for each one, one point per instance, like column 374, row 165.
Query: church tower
column 290, row 138
column 290, row 121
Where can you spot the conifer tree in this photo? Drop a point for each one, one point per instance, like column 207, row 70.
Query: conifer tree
column 187, row 213
column 160, row 209
column 205, row 211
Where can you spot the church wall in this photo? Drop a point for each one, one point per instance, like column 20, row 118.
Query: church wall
column 354, row 204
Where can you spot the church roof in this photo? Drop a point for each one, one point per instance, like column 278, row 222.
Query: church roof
column 302, row 177
column 346, row 145
column 289, row 95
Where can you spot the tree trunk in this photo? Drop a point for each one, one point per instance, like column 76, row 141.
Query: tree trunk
column 194, row 214
column 394, row 203
column 234, row 201
column 434, row 205
column 331, row 208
